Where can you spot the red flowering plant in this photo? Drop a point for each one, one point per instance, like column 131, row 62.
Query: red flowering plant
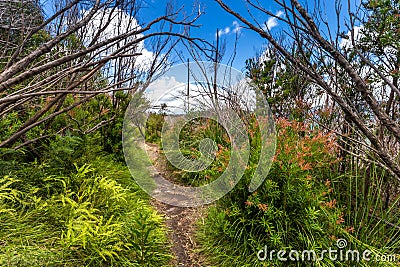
column 295, row 208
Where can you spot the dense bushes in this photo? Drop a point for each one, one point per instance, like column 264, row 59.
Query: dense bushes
column 304, row 203
column 101, row 116
column 85, row 215
column 190, row 138
column 154, row 125
column 293, row 209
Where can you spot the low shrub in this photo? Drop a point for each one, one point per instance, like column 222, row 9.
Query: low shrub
column 190, row 138
column 295, row 208
column 89, row 215
column 154, row 126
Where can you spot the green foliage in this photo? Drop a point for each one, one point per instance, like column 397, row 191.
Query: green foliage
column 371, row 208
column 64, row 151
column 9, row 123
column 283, row 86
column 293, row 209
column 63, row 200
column 103, row 112
column 154, row 126
column 87, row 215
column 190, row 137
column 112, row 132
column 382, row 28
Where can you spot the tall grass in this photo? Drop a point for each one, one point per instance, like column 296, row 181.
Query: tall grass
column 372, row 203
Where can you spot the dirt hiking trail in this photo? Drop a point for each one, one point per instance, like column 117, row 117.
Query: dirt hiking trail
column 181, row 222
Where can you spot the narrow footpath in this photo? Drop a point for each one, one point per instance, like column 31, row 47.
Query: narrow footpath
column 181, row 222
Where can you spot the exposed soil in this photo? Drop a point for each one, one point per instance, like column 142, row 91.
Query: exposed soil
column 181, row 222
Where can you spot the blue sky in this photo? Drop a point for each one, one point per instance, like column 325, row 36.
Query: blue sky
column 249, row 43
column 214, row 17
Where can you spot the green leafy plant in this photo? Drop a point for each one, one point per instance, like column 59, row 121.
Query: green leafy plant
column 295, row 207
column 86, row 215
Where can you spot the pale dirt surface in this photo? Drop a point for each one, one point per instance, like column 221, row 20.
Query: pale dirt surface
column 181, row 222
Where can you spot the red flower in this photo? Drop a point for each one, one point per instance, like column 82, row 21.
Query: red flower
column 248, row 203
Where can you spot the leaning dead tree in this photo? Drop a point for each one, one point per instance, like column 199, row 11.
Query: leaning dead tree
column 83, row 48
column 358, row 81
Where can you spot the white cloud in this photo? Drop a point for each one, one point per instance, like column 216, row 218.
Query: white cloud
column 161, row 86
column 119, row 23
column 233, row 29
column 272, row 21
column 266, row 55
column 236, row 27
column 172, row 91
column 224, row 31
column 280, row 13
column 345, row 42
column 167, row 90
